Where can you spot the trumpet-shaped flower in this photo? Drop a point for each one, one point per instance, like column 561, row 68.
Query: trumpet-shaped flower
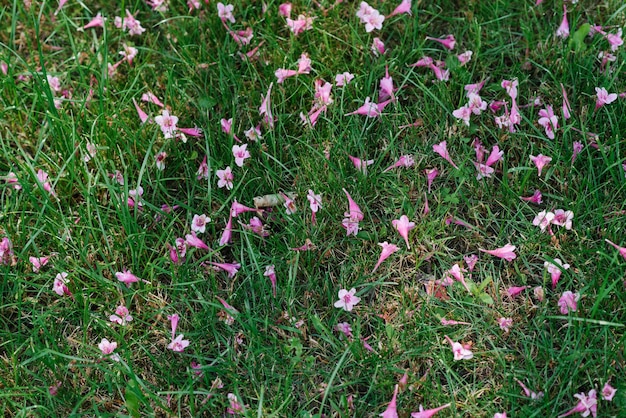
column 549, row 121
column 448, row 42
column 192, row 240
column 127, row 277
column 199, row 222
column 603, row 97
column 387, row 250
column 403, row 161
column 460, row 351
column 271, row 274
column 622, row 250
column 507, row 252
column 555, row 269
column 587, row 405
column 568, row 302
column 428, row 413
column 392, row 409
column 108, row 347
column 540, row 162
column 368, row 109
column 121, row 316
column 178, row 344
column 225, row 178
column 404, row 226
column 167, row 123
column 608, row 392
column 343, row 79
column 347, row 299
column 230, row 268
column 442, row 150
column 60, row 285
column 563, row 29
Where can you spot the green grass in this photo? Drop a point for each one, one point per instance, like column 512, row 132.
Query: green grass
column 282, row 356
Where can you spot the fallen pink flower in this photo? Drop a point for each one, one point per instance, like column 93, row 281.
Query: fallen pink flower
column 193, row 241
column 460, row 352
column 203, row 172
column 505, row 323
column 403, row 161
column 265, row 109
column 359, row 164
column 284, row 9
column 403, row 7
column 178, row 345
column 427, row 413
column 237, row 209
column 121, row 316
column 448, row 42
column 38, row 262
column 457, row 273
column 386, row 87
column 431, row 174
column 540, row 161
column 529, row 394
column 563, row 29
column 587, row 404
column 308, row 246
column 96, row 22
column 568, row 302
column 60, row 285
column 608, row 392
column 271, row 274
column 228, row 231
column 442, row 150
column 391, row 411
column 603, row 97
column 470, row 260
column 535, row 198
column 127, row 277
column 515, row 290
column 555, row 270
column 230, row 268
column 378, row 47
column 108, row 347
column 566, row 108
column 368, row 109
column 347, row 299
column 465, row 57
column 387, row 250
column 404, row 226
column 343, row 79
column 506, row 252
column 622, row 250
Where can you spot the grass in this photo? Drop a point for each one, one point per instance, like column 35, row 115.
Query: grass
column 282, row 356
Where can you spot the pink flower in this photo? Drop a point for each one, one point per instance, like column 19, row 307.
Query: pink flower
column 567, row 302
column 427, row 413
column 404, row 226
column 463, row 113
column 368, row 109
column 347, row 299
column 431, row 174
column 448, row 42
column 563, row 30
column 359, row 164
column 302, row 23
column 107, row 347
column 549, row 121
column 615, row 40
column 42, row 176
column 603, row 97
column 543, row 219
column 505, row 323
column 225, row 177
column 241, row 37
column 353, row 216
column 192, row 240
column 577, row 147
column 237, row 209
column 282, row 74
column 373, row 20
column 160, row 160
column 307, row 246
column 506, row 252
column 563, row 218
column 254, row 133
column 235, row 407
column 470, row 260
column 511, row 87
column 587, row 404
column 167, row 123
column 265, row 109
column 555, row 270
column 315, row 203
column 460, row 352
column 403, row 161
column 127, row 277
column 391, row 411
column 535, row 198
column 403, row 7
column 178, row 345
column 465, row 57
column 225, row 12
column 60, row 285
column 345, row 328
column 151, row 98
column 199, row 222
column 608, row 392
column 622, row 250
column 203, row 170
column 121, row 316
column 96, row 22
column 289, row 204
column 530, row 394
column 540, row 162
column 515, row 290
column 566, row 108
column 457, row 273
column 129, row 53
column 539, row 294
column 284, row 9
column 230, row 268
column 143, row 116
column 378, row 47
column 387, row 250
column 241, row 154
column 442, row 150
column 343, row 79
column 38, row 262
column 271, row 274
column 11, row 178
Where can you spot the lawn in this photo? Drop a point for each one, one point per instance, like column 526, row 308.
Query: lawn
column 312, row 209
